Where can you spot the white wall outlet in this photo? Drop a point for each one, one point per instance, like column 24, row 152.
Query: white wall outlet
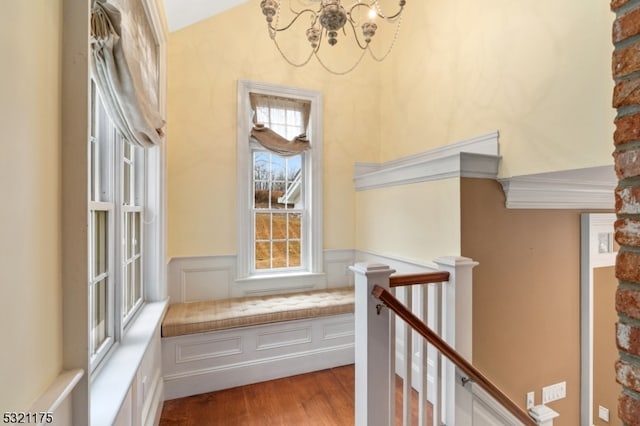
column 530, row 400
column 554, row 392
column 603, row 413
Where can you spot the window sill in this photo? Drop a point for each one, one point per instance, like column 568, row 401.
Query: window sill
column 112, row 382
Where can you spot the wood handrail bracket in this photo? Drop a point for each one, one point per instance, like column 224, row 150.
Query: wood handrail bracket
column 467, row 368
column 413, row 279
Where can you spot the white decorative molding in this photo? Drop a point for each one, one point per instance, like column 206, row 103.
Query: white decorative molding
column 476, row 158
column 270, row 351
column 57, row 398
column 588, row 188
column 200, row 278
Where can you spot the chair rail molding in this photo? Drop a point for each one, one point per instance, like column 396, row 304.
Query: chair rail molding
column 477, row 157
column 587, row 188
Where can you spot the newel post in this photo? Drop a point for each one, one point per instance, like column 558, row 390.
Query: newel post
column 457, row 327
column 374, row 385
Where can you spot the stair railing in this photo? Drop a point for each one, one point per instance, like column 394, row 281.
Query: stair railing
column 437, row 322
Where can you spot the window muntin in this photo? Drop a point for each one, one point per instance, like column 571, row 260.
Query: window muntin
column 278, row 211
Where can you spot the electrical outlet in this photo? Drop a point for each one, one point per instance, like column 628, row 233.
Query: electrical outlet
column 554, row 392
column 530, row 400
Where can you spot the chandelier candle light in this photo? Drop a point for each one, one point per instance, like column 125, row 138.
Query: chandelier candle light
column 327, row 20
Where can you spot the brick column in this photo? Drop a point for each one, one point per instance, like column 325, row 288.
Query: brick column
column 626, row 98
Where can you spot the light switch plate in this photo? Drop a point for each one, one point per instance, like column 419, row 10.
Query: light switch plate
column 603, row 413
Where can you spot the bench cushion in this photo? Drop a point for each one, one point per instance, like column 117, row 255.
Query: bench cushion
column 201, row 317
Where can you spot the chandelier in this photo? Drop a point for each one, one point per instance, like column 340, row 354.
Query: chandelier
column 330, row 23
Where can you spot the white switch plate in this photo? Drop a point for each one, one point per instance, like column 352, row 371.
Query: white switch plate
column 603, row 413
column 554, row 392
column 530, row 398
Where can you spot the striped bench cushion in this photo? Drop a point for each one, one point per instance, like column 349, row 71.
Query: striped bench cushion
column 201, row 317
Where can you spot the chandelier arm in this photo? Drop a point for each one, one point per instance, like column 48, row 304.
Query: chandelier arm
column 355, row 35
column 341, row 72
column 378, row 14
column 297, row 65
column 292, row 21
column 393, row 42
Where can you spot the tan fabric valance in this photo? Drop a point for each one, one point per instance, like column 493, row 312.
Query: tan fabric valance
column 269, row 138
column 131, row 112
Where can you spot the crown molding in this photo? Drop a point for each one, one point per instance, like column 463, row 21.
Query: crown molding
column 476, row 158
column 588, row 188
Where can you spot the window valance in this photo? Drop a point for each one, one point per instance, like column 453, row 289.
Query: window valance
column 274, row 118
column 130, row 110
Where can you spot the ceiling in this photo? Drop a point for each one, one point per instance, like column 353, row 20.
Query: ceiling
column 182, row 13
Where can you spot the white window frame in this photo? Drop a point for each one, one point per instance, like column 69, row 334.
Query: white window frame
column 312, row 193
column 145, row 201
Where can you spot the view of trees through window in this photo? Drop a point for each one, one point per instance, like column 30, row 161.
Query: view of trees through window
column 277, row 210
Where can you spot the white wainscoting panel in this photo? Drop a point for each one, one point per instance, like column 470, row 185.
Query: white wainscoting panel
column 269, row 351
column 192, row 279
column 198, row 278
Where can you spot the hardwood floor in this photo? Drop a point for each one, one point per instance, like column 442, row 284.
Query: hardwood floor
column 320, row 398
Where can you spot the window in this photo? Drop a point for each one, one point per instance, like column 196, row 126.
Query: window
column 116, row 194
column 280, row 227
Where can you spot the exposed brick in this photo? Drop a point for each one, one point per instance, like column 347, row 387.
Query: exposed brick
column 628, row 338
column 629, row 410
column 628, row 375
column 628, row 266
column 627, row 25
column 626, row 92
column 617, row 4
column 627, row 127
column 627, row 232
column 626, row 60
column 626, row 163
column 628, row 302
column 627, row 200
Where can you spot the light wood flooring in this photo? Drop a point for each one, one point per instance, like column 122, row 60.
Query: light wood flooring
column 320, row 398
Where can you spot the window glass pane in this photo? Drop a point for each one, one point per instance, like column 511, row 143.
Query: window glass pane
column 137, row 290
column 100, row 243
column 99, row 320
column 279, row 254
column 295, row 225
column 294, row 254
column 128, row 229
column 263, row 226
column 127, row 289
column 136, row 243
column 263, row 255
column 294, row 118
column 279, row 226
column 277, row 117
column 126, row 182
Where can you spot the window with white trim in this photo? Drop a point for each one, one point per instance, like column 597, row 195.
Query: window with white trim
column 116, row 252
column 279, row 177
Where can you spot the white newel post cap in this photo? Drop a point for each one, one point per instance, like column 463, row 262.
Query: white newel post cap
column 369, row 269
column 543, row 415
column 455, row 262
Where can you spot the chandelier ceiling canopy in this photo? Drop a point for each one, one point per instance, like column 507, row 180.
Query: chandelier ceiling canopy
column 330, row 21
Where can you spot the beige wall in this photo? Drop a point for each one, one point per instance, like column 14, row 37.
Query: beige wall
column 417, row 222
column 205, row 62
column 30, row 284
column 538, row 72
column 605, row 388
column 526, row 295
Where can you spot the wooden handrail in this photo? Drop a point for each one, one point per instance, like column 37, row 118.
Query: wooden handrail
column 413, row 279
column 467, row 368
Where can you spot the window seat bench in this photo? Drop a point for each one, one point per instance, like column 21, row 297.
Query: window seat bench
column 218, row 344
